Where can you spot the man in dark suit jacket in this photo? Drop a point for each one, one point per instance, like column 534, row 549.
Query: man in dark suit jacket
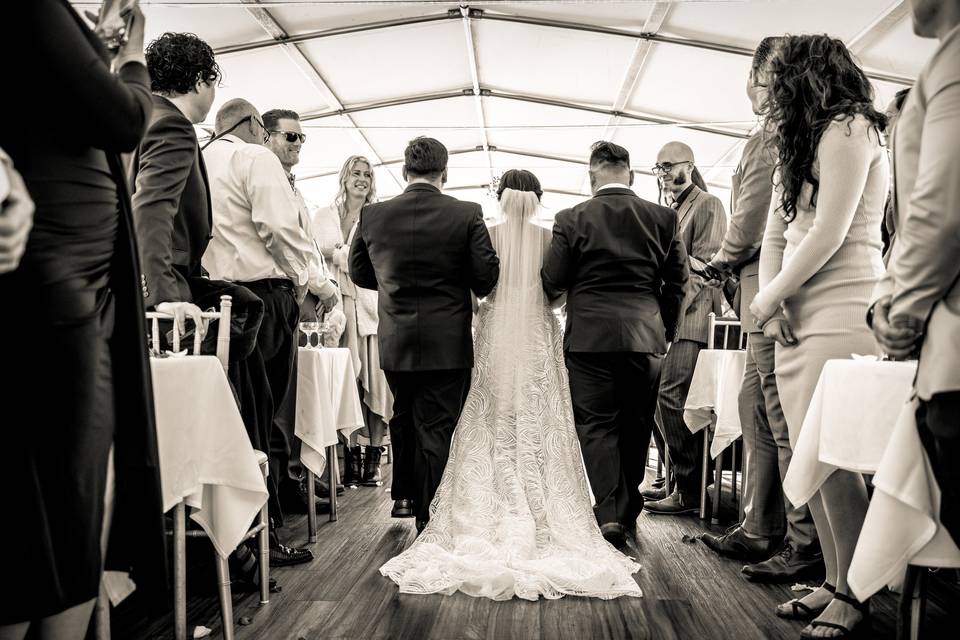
column 424, row 252
column 623, row 266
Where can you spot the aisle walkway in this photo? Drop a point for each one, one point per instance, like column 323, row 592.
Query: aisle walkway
column 689, row 593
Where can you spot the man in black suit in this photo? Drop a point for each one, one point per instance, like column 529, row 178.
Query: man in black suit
column 173, row 218
column 623, row 266
column 424, row 252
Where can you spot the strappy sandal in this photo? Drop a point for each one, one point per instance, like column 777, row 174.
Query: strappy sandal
column 845, row 632
column 800, row 611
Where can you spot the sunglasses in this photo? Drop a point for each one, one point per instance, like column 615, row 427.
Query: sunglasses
column 266, row 136
column 291, row 136
column 667, row 167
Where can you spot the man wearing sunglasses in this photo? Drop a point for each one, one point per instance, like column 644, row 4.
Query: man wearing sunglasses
column 702, row 226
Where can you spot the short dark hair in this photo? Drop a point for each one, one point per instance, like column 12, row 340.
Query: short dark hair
column 900, row 97
column 605, row 154
column 178, row 61
column 519, row 180
column 425, row 157
column 274, row 116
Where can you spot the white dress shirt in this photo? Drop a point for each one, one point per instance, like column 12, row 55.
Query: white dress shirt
column 257, row 231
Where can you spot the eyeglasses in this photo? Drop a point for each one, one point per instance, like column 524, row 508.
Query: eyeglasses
column 667, row 167
column 291, row 136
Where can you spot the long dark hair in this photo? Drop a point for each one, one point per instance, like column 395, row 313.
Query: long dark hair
column 815, row 81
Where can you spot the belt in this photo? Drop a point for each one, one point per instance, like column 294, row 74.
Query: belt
column 269, row 284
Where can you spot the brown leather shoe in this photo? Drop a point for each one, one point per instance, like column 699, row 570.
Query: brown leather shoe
column 788, row 565
column 735, row 543
column 673, row 505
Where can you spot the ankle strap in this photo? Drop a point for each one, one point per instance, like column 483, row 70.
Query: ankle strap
column 862, row 606
column 829, row 587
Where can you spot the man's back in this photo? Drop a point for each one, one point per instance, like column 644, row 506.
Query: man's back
column 425, row 252
column 621, row 262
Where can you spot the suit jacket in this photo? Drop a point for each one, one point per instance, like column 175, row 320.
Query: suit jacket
column 424, row 252
column 751, row 189
column 623, row 266
column 923, row 274
column 171, row 205
column 703, row 224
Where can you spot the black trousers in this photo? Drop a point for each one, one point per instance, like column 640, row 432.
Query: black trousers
column 614, row 400
column 426, row 408
column 277, row 348
column 938, row 423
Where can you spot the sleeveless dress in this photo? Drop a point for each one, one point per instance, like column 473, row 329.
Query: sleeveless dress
column 512, row 515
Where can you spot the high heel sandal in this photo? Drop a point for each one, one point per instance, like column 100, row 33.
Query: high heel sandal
column 800, row 611
column 845, row 632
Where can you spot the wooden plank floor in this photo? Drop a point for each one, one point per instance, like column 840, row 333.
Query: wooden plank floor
column 688, row 593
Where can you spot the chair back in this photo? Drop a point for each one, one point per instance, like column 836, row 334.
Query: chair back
column 223, row 331
column 733, row 333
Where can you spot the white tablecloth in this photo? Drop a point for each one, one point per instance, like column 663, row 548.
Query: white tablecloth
column 327, row 401
column 713, row 396
column 902, row 524
column 206, row 458
column 851, row 416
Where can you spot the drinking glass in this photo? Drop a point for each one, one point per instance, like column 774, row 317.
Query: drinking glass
column 308, row 329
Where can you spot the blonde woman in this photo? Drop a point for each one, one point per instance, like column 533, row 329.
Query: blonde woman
column 333, row 229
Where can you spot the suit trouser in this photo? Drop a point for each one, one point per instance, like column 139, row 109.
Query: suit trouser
column 686, row 449
column 614, row 398
column 938, row 424
column 766, row 446
column 426, row 409
column 277, row 344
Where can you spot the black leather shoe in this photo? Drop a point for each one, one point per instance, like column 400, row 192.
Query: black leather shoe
column 322, row 488
column 421, row 525
column 788, row 565
column 614, row 533
column 283, row 556
column 295, row 501
column 654, row 493
column 673, row 505
column 402, row 508
column 737, row 544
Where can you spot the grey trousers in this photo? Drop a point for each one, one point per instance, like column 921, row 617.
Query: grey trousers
column 686, row 449
column 766, row 445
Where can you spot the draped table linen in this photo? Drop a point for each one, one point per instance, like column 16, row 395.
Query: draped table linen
column 714, row 396
column 327, row 402
column 852, row 413
column 206, row 459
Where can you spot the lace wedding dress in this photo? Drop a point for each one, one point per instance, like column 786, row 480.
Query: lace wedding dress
column 512, row 515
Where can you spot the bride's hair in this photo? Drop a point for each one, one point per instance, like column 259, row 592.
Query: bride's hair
column 519, row 194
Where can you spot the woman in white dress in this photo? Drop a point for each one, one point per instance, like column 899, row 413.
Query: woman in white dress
column 820, row 261
column 333, row 229
column 512, row 515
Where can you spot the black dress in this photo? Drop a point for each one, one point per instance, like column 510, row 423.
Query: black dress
column 74, row 353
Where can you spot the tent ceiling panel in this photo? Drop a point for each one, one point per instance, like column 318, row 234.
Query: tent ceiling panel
column 326, row 149
column 899, row 50
column 218, row 27
column 269, row 79
column 308, row 19
column 746, row 23
column 371, row 66
column 452, row 121
column 558, row 63
column 625, row 15
column 548, row 129
column 695, row 85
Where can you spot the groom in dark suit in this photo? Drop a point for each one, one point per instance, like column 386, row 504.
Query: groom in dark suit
column 424, row 252
column 623, row 266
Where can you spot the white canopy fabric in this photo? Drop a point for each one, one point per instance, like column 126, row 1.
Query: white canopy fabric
column 520, row 84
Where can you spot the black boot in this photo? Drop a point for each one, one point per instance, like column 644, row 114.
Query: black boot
column 371, row 467
column 353, row 464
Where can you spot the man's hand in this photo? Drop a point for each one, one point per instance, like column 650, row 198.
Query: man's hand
column 16, row 220
column 330, row 301
column 759, row 315
column 780, row 330
column 180, row 311
column 899, row 340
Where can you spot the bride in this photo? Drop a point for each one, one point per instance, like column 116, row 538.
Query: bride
column 512, row 515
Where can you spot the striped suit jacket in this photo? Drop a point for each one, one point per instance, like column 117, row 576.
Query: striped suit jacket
column 703, row 224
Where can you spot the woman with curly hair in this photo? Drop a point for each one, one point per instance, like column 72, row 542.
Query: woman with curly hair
column 334, row 228
column 820, row 261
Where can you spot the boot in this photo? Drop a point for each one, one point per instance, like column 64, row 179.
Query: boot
column 353, row 465
column 371, row 467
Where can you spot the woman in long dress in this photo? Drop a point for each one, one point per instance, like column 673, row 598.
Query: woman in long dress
column 333, row 229
column 78, row 380
column 820, row 261
column 512, row 515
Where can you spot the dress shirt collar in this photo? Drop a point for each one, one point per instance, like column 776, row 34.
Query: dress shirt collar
column 683, row 196
column 614, row 185
column 421, row 186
